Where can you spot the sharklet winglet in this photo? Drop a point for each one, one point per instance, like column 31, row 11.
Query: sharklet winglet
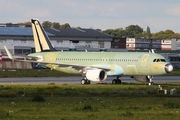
column 8, row 53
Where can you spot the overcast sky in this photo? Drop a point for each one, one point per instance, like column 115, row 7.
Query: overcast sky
column 98, row 14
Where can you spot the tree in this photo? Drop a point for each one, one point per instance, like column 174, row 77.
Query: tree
column 99, row 30
column 118, row 32
column 148, row 32
column 158, row 35
column 27, row 24
column 55, row 25
column 176, row 35
column 66, row 25
column 47, row 24
column 9, row 24
column 108, row 31
column 134, row 31
column 167, row 34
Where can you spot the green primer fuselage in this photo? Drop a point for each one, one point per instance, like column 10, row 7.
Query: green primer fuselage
column 119, row 63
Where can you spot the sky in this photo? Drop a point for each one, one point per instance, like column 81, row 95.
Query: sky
column 159, row 15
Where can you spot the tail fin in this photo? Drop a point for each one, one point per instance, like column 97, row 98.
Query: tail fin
column 41, row 40
column 152, row 51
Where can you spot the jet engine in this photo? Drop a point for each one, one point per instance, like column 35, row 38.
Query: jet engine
column 96, row 75
column 142, row 78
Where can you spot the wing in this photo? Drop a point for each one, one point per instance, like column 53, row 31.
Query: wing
column 76, row 66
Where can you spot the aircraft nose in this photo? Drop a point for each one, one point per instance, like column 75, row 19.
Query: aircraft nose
column 168, row 68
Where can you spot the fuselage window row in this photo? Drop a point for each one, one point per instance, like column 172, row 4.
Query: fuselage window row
column 83, row 59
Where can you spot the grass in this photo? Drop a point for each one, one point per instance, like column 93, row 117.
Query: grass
column 135, row 101
column 66, row 102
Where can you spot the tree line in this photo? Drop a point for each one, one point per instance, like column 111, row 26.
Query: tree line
column 136, row 31
column 45, row 24
column 131, row 31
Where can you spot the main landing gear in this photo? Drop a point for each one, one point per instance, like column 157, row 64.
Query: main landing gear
column 85, row 81
column 116, row 81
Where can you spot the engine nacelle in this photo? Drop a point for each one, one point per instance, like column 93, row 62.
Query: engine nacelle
column 142, row 78
column 96, row 75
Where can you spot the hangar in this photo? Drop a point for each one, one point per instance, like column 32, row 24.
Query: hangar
column 19, row 39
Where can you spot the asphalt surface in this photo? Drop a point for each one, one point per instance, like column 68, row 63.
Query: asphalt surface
column 76, row 80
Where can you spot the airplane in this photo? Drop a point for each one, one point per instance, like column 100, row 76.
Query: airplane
column 96, row 66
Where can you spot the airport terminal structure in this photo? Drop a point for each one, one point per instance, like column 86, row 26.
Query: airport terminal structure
column 19, row 41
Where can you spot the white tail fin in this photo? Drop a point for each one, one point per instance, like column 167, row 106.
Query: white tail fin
column 41, row 40
column 151, row 51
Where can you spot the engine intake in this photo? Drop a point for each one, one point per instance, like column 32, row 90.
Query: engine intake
column 96, row 75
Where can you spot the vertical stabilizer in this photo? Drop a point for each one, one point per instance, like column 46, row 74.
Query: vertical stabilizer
column 41, row 40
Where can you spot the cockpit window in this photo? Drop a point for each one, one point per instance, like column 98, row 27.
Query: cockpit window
column 163, row 60
column 159, row 60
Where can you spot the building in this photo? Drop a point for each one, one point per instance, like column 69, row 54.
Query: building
column 20, row 39
column 145, row 44
column 118, row 43
column 175, row 45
